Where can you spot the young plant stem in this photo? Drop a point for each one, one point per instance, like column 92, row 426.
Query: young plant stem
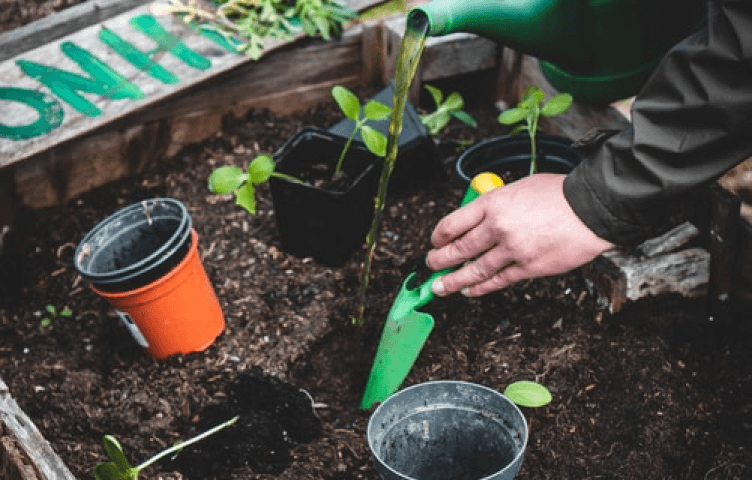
column 345, row 149
column 533, row 154
column 182, row 445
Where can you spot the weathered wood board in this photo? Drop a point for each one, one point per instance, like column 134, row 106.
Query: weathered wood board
column 53, row 27
column 94, row 60
column 24, row 453
column 659, row 265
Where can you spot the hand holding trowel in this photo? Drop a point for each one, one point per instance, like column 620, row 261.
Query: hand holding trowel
column 406, row 329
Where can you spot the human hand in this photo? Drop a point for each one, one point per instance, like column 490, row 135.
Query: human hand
column 524, row 230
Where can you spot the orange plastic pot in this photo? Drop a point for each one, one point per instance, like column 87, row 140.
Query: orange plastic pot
column 178, row 313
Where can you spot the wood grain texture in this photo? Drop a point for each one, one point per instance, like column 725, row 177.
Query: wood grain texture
column 24, row 452
column 66, row 22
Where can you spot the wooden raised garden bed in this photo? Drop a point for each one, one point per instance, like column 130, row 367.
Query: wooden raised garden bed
column 127, row 136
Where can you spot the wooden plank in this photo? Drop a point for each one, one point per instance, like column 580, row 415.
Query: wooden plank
column 66, row 22
column 26, row 455
column 74, row 123
column 658, row 266
column 289, row 79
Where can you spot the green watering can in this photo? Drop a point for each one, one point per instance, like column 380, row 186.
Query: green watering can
column 597, row 50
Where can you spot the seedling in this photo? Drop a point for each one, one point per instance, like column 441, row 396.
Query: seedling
column 528, row 394
column 231, row 179
column 53, row 313
column 120, row 469
column 446, row 109
column 374, row 140
column 529, row 110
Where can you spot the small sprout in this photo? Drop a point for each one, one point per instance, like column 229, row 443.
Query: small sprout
column 374, row 140
column 529, row 110
column 53, row 313
column 231, row 179
column 528, row 394
column 118, row 468
column 445, row 111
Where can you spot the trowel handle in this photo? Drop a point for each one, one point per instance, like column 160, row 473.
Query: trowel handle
column 481, row 183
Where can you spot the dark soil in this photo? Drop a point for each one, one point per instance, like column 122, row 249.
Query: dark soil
column 659, row 391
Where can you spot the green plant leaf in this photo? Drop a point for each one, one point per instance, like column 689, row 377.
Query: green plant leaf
column 66, row 312
column 435, row 94
column 51, row 310
column 246, row 198
column 532, row 95
column 110, row 471
column 260, row 169
column 374, row 140
column 519, row 128
column 115, row 451
column 528, row 394
column 226, row 179
column 347, row 101
column 45, row 322
column 438, row 122
column 376, row 110
column 557, row 105
column 465, row 118
column 512, row 116
column 454, row 101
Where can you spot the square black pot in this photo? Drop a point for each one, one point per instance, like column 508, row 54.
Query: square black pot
column 418, row 161
column 325, row 224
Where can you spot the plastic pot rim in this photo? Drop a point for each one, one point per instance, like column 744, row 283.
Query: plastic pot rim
column 374, row 418
column 176, row 241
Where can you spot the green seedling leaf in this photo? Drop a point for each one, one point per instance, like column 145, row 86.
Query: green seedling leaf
column 226, row 179
column 51, row 310
column 115, row 451
column 374, row 140
column 528, row 394
column 454, row 101
column 260, row 169
column 110, row 471
column 377, row 111
column 465, row 118
column 246, row 198
column 512, row 115
column 347, row 101
column 532, row 95
column 45, row 322
column 557, row 105
column 437, row 95
column 66, row 312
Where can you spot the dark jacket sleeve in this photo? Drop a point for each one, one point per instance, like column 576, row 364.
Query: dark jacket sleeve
column 691, row 122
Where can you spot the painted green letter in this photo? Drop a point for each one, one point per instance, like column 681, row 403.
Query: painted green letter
column 50, row 113
column 168, row 42
column 103, row 80
column 136, row 57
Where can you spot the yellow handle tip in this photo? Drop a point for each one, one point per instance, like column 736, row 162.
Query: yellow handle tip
column 485, row 182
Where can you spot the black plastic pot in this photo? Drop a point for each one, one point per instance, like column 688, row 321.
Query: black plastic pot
column 135, row 246
column 328, row 225
column 418, row 161
column 509, row 157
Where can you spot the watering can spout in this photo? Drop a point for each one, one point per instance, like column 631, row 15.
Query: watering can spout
column 599, row 51
column 526, row 25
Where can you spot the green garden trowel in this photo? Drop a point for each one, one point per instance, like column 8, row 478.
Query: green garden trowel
column 406, row 329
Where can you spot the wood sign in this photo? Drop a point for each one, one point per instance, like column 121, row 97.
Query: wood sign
column 104, row 72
